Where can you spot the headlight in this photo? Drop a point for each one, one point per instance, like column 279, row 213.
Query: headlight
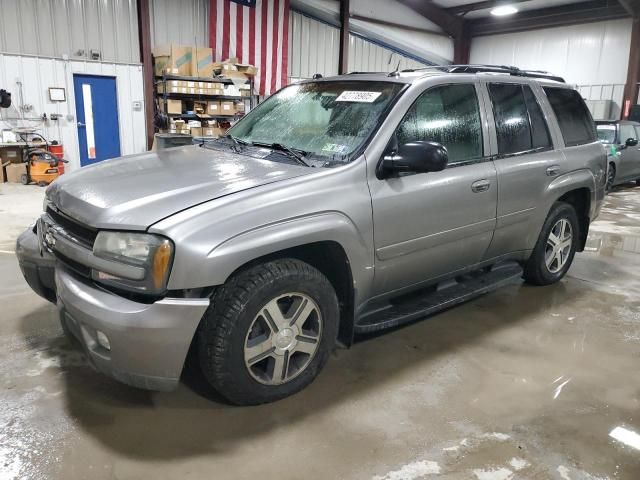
column 151, row 252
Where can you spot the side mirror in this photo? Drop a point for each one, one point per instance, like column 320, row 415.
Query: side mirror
column 631, row 142
column 414, row 157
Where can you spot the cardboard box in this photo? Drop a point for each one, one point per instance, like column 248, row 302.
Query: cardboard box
column 202, row 65
column 227, row 108
column 15, row 172
column 239, row 107
column 173, row 106
column 214, row 107
column 248, row 70
column 10, row 154
column 196, row 131
column 200, row 107
column 161, row 89
column 173, row 59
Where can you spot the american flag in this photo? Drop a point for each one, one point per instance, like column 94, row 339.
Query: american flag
column 256, row 32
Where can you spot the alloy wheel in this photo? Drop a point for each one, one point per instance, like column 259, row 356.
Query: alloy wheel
column 558, row 246
column 283, row 338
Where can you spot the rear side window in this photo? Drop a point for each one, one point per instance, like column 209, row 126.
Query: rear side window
column 520, row 124
column 574, row 118
column 626, row 132
column 449, row 115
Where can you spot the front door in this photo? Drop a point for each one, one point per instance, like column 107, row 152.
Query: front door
column 629, row 164
column 431, row 224
column 97, row 114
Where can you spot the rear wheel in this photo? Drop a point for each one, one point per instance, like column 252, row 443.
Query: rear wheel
column 24, row 179
column 611, row 176
column 269, row 331
column 556, row 246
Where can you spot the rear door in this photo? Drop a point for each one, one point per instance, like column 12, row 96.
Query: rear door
column 525, row 160
column 430, row 224
column 629, row 163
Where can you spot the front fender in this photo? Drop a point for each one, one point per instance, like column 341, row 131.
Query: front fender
column 226, row 257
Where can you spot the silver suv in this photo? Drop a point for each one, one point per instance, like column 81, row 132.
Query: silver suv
column 338, row 207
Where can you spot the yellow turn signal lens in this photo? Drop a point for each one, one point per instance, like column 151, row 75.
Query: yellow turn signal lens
column 161, row 260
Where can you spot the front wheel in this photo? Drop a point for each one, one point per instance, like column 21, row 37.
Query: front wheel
column 269, row 331
column 555, row 248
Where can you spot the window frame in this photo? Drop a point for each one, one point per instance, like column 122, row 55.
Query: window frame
column 549, row 148
column 481, row 114
column 564, row 140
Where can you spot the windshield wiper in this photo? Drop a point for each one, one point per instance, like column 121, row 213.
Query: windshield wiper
column 236, row 141
column 296, row 154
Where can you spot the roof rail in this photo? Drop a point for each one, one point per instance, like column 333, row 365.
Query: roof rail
column 506, row 69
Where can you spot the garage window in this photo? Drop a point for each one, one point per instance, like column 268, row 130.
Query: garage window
column 449, row 115
column 520, row 124
column 574, row 118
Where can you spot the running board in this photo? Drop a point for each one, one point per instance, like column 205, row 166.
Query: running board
column 445, row 296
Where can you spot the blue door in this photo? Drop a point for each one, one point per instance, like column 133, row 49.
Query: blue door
column 97, row 114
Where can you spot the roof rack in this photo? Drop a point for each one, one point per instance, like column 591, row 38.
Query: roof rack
column 506, row 69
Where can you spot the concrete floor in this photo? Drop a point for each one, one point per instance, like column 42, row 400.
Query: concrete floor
column 522, row 383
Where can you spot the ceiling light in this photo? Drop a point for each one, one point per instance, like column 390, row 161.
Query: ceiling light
column 504, row 10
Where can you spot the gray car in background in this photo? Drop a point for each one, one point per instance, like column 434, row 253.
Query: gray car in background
column 337, row 208
column 621, row 140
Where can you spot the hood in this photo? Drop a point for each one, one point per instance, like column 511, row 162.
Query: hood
column 137, row 191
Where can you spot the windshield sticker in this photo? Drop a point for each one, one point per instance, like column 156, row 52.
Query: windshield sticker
column 355, row 96
column 335, row 148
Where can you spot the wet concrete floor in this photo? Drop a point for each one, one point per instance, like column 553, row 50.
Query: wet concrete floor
column 523, row 383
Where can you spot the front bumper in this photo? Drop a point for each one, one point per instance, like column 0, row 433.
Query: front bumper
column 148, row 342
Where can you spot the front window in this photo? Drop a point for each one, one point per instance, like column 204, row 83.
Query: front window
column 606, row 133
column 324, row 121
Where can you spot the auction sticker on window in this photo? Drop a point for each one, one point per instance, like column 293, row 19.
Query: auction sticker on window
column 358, row 96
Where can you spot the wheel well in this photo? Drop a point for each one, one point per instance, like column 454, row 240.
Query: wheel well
column 329, row 258
column 580, row 199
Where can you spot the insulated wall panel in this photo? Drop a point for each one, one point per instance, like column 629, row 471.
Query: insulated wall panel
column 71, row 27
column 314, row 47
column 184, row 22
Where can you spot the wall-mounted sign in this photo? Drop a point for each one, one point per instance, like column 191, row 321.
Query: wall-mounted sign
column 57, row 94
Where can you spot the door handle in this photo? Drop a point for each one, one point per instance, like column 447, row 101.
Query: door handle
column 553, row 170
column 480, row 186
column 80, row 124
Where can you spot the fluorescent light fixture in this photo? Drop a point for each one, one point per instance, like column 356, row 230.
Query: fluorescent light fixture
column 503, row 10
column 628, row 437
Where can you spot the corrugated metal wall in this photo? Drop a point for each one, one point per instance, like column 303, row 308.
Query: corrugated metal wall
column 314, row 48
column 593, row 56
column 38, row 74
column 63, row 27
column 184, row 22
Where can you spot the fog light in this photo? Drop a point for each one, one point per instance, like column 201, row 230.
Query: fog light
column 103, row 341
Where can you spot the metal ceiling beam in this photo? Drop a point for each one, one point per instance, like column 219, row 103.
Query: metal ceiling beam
column 593, row 11
column 632, row 7
column 472, row 7
column 451, row 24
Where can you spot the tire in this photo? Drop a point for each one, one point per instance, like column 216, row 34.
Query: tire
column 237, row 325
column 24, row 179
column 638, row 182
column 611, row 177
column 537, row 270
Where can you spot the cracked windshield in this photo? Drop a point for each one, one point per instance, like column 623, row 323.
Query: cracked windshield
column 315, row 124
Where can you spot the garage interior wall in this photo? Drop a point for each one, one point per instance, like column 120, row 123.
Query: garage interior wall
column 35, row 38
column 592, row 56
column 306, row 59
column 37, row 74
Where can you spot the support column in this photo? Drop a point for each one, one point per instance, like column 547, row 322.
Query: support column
column 343, row 59
column 144, row 37
column 633, row 72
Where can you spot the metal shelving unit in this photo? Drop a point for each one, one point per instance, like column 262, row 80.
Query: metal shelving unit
column 195, row 97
